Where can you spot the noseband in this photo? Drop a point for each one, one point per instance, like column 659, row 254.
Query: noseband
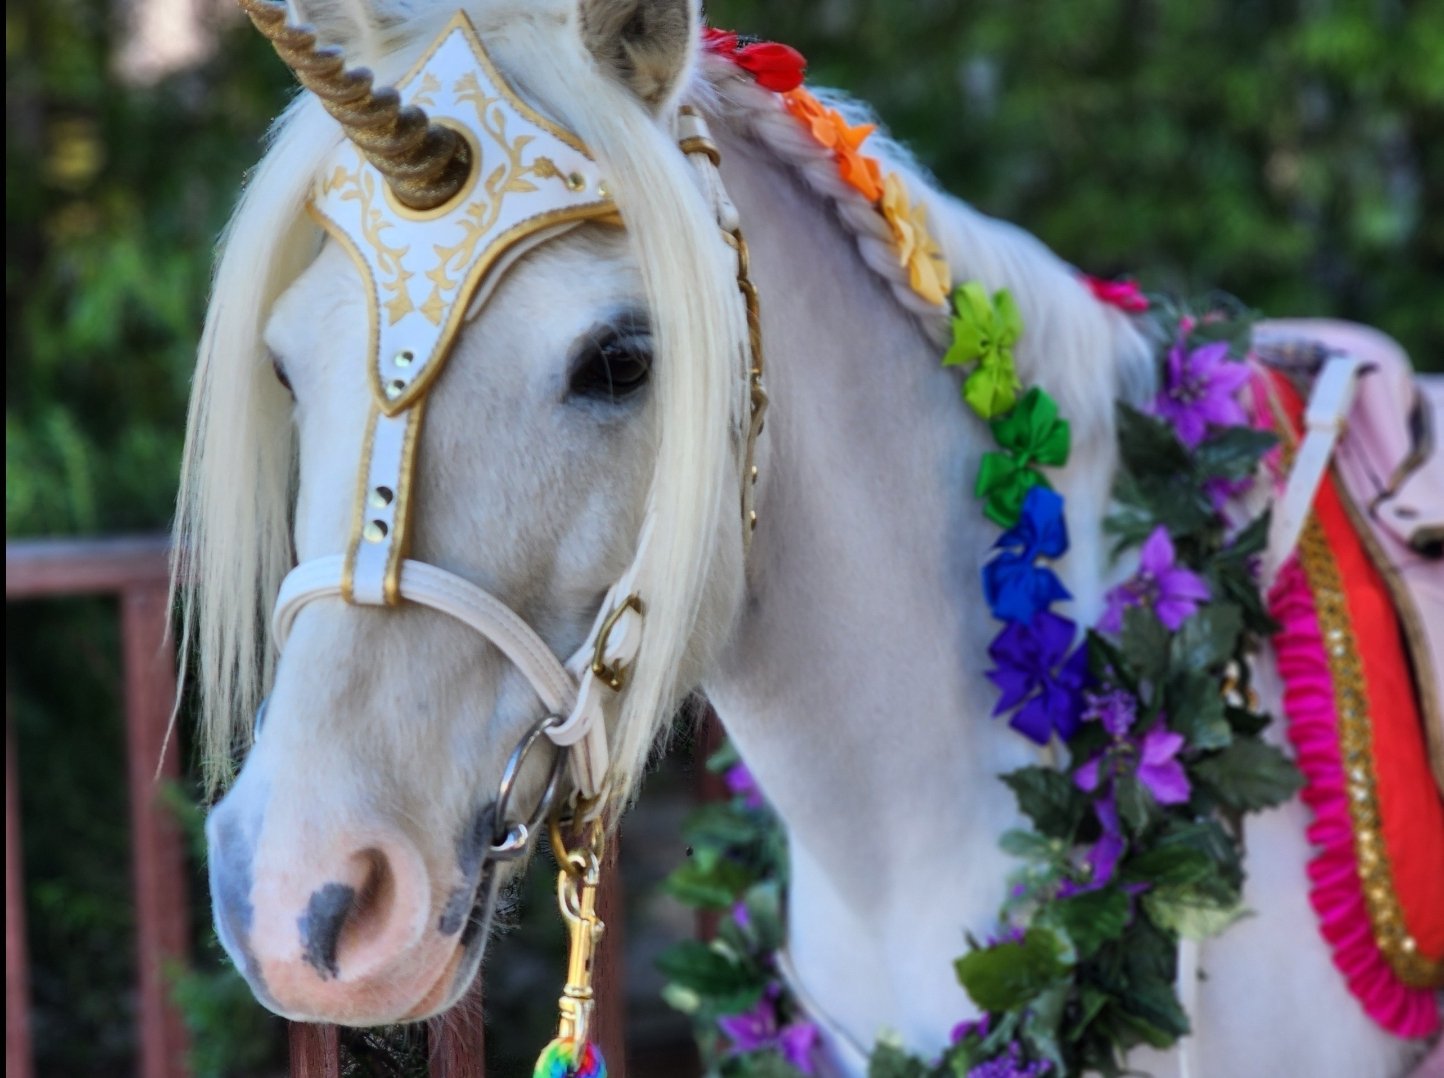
column 546, row 185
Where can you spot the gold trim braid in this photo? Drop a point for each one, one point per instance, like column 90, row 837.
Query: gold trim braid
column 1356, row 746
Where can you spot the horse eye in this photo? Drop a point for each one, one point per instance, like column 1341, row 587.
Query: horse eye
column 613, row 365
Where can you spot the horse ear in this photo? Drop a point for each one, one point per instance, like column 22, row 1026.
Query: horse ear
column 647, row 44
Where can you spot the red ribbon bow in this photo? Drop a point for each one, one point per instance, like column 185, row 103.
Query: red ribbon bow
column 778, row 68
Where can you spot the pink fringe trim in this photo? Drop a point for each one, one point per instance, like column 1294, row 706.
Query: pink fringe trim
column 1336, row 893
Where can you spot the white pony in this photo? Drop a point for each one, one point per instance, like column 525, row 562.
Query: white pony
column 844, row 650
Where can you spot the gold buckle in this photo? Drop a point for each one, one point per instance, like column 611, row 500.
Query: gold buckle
column 613, row 674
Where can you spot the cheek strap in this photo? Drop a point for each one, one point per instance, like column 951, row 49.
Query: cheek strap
column 578, row 690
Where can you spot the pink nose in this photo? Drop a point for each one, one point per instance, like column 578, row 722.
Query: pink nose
column 344, row 932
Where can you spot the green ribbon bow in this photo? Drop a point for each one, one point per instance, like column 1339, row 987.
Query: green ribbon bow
column 1030, row 434
column 985, row 331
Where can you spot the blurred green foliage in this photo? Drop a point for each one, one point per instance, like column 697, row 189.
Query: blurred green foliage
column 114, row 195
column 1289, row 152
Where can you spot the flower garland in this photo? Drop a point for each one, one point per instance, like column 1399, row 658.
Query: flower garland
column 780, row 69
column 1135, row 843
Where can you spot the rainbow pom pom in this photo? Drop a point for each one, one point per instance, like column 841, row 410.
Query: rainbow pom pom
column 570, row 1059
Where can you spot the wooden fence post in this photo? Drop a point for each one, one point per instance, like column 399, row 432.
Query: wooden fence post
column 18, row 1062
column 315, row 1051
column 458, row 1044
column 610, row 1016
column 162, row 918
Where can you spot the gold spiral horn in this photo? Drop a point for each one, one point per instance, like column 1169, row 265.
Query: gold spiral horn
column 424, row 163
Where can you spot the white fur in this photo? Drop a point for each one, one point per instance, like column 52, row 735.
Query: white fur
column 848, row 666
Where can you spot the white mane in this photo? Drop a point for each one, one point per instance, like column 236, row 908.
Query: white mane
column 233, row 529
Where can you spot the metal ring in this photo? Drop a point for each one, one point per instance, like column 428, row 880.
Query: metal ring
column 513, row 845
column 503, row 834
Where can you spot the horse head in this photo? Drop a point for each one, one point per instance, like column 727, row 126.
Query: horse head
column 582, row 369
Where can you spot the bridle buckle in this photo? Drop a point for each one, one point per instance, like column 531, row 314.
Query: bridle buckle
column 613, row 675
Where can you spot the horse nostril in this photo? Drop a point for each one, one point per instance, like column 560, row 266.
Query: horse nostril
column 341, row 920
column 321, row 926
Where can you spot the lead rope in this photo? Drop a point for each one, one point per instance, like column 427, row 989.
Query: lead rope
column 572, row 1053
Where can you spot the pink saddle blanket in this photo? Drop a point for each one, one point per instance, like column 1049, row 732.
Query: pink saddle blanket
column 1390, row 465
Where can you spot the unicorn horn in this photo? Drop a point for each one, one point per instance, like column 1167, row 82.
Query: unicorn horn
column 424, row 163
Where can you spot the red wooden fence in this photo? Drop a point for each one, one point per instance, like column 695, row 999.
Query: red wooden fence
column 134, row 571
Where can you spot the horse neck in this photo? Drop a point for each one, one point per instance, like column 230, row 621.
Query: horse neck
column 853, row 684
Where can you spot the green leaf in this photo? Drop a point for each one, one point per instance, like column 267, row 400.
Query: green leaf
column 1233, row 453
column 1153, row 1012
column 1148, row 444
column 1092, row 918
column 1196, row 710
column 1029, row 845
column 715, row 886
column 1177, row 503
column 1106, row 662
column 1250, row 775
column 1091, row 1002
column 1249, row 542
column 681, row 999
column 1208, row 638
column 721, row 824
column 890, row 1060
column 1132, row 517
column 705, row 970
column 1009, row 975
column 1245, row 722
column 1191, row 913
column 1145, row 644
column 1236, row 329
column 765, row 1065
column 723, row 759
column 1042, row 1025
column 1049, row 799
column 764, row 913
column 1136, row 806
column 1174, row 859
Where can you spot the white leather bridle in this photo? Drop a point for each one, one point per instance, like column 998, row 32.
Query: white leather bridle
column 551, row 186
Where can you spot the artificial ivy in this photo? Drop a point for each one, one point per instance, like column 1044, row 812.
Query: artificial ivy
column 1133, row 844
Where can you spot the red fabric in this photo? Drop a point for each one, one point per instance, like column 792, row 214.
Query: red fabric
column 1411, row 812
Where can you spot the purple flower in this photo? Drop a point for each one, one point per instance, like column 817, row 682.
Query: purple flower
column 1200, row 389
column 973, row 1027
column 757, row 1030
column 1035, row 673
column 1161, row 585
column 1102, row 857
column 1011, row 1066
column 1158, row 768
column 754, row 1029
column 1152, row 759
column 1115, row 709
column 1017, row 589
column 797, row 1042
column 740, row 916
column 1015, row 934
column 741, row 783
